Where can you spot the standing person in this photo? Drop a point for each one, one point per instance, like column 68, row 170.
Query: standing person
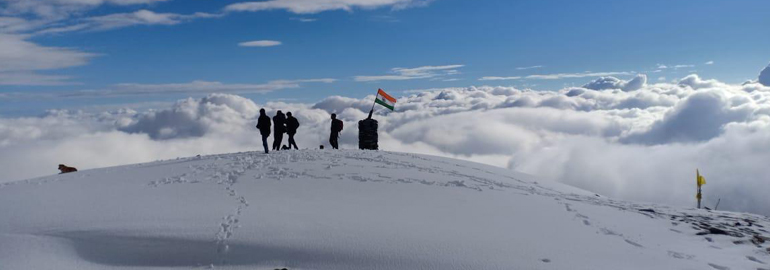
column 279, row 127
column 263, row 124
column 291, row 128
column 336, row 129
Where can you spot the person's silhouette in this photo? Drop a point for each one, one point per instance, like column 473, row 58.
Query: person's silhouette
column 279, row 127
column 291, row 128
column 336, row 129
column 263, row 124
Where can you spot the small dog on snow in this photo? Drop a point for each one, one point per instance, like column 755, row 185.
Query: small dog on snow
column 66, row 169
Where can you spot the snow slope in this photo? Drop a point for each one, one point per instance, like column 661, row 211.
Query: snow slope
column 315, row 209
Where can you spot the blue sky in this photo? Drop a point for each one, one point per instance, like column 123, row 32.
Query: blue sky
column 115, row 52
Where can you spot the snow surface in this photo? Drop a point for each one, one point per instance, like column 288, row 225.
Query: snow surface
column 314, row 209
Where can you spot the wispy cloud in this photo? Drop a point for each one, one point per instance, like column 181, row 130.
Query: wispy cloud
column 32, row 78
column 260, row 43
column 532, row 67
column 122, row 20
column 194, row 87
column 304, row 19
column 322, row 80
column 316, row 6
column 21, row 61
column 683, row 66
column 58, row 9
column 384, row 18
column 494, row 78
column 557, row 76
column 424, row 72
column 680, row 66
column 709, row 63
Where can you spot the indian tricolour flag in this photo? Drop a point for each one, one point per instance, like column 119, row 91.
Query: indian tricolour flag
column 385, row 100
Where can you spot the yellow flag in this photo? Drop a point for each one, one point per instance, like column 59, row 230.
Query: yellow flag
column 699, row 178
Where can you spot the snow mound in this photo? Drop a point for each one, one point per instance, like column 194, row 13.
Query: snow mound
column 352, row 210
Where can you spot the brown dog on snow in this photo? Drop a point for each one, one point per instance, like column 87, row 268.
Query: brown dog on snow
column 65, row 169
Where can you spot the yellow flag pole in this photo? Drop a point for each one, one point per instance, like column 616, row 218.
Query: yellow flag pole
column 697, row 182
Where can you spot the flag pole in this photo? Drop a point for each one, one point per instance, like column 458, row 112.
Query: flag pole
column 699, row 196
column 697, row 182
column 373, row 103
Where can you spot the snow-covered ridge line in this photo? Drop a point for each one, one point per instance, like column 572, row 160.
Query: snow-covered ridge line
column 314, row 209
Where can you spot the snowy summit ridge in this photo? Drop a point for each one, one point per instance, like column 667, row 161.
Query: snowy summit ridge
column 315, row 209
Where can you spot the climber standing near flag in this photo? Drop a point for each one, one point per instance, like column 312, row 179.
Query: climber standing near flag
column 336, row 129
column 279, row 128
column 263, row 125
column 292, row 124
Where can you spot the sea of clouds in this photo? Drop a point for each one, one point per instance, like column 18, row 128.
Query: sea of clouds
column 626, row 139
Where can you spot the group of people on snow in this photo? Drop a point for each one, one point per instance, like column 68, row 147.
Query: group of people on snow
column 288, row 124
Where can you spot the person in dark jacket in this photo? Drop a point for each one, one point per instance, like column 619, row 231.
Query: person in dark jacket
column 336, row 129
column 279, row 128
column 263, row 124
column 291, row 128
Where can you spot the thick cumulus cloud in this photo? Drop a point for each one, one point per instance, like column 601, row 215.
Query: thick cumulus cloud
column 700, row 117
column 764, row 76
column 195, row 118
column 604, row 83
column 641, row 144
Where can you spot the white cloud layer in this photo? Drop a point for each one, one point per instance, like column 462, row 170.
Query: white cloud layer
column 316, row 6
column 643, row 144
